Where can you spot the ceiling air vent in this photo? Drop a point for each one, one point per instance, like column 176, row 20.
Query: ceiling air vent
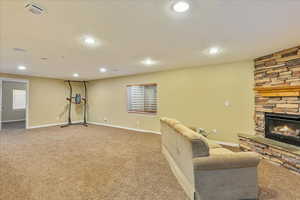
column 35, row 9
column 19, row 49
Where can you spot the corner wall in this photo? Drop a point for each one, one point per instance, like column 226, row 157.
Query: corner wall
column 47, row 100
column 195, row 96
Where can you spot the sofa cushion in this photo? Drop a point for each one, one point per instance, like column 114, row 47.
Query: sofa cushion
column 169, row 122
column 227, row 161
column 199, row 145
column 219, row 151
column 199, row 142
column 187, row 132
column 213, row 145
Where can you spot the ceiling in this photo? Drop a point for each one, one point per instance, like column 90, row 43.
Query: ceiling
column 130, row 30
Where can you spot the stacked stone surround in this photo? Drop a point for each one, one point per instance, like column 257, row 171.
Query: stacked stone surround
column 277, row 154
column 277, row 69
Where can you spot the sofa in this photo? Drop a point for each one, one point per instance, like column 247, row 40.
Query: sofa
column 205, row 169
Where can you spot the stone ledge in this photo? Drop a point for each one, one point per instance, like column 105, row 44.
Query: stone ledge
column 284, row 154
column 273, row 143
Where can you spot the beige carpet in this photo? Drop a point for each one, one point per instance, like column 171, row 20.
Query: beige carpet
column 101, row 163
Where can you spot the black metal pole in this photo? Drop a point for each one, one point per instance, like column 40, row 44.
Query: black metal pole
column 85, row 101
column 70, row 102
column 70, row 105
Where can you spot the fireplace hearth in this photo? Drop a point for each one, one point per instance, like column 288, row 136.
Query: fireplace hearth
column 283, row 128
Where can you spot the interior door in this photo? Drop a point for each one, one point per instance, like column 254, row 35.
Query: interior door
column 0, row 105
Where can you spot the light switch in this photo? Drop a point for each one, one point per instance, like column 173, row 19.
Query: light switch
column 227, row 103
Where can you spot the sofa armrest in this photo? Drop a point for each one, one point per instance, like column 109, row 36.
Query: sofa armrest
column 226, row 161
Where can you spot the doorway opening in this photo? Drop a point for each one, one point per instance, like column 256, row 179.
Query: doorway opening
column 14, row 104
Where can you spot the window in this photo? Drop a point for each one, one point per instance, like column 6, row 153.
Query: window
column 142, row 98
column 19, row 99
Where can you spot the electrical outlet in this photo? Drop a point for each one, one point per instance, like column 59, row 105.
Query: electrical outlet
column 214, row 131
column 200, row 130
column 138, row 123
column 105, row 120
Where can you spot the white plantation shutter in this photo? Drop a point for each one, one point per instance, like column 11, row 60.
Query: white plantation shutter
column 150, row 98
column 19, row 99
column 142, row 98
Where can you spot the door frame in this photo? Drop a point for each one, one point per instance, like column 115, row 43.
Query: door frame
column 27, row 96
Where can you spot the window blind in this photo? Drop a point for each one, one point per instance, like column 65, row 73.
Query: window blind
column 142, row 98
column 19, row 99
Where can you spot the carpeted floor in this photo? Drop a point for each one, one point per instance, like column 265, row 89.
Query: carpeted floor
column 14, row 125
column 101, row 163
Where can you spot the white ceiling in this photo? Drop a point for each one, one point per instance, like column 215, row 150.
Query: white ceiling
column 131, row 30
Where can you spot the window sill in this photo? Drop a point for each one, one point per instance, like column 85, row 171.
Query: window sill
column 143, row 113
column 19, row 109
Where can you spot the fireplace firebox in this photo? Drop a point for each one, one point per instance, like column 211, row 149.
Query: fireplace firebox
column 283, row 128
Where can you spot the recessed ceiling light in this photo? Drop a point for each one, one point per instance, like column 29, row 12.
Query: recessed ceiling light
column 214, row 50
column 76, row 75
column 149, row 61
column 103, row 70
column 181, row 6
column 89, row 40
column 21, row 67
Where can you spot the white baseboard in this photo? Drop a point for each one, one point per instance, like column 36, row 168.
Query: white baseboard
column 95, row 123
column 183, row 181
column 16, row 120
column 49, row 125
column 123, row 127
column 155, row 132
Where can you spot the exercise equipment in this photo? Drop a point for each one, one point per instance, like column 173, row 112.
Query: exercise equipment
column 77, row 99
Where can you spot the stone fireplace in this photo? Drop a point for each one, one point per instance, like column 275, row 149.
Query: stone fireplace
column 283, row 128
column 278, row 70
column 277, row 109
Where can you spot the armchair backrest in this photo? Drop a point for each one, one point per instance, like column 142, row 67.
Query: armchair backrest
column 183, row 144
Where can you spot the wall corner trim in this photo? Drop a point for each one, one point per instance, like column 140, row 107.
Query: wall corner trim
column 16, row 120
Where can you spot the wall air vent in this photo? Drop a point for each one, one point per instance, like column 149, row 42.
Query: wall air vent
column 34, row 8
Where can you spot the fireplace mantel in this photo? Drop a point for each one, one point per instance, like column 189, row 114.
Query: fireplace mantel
column 278, row 91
